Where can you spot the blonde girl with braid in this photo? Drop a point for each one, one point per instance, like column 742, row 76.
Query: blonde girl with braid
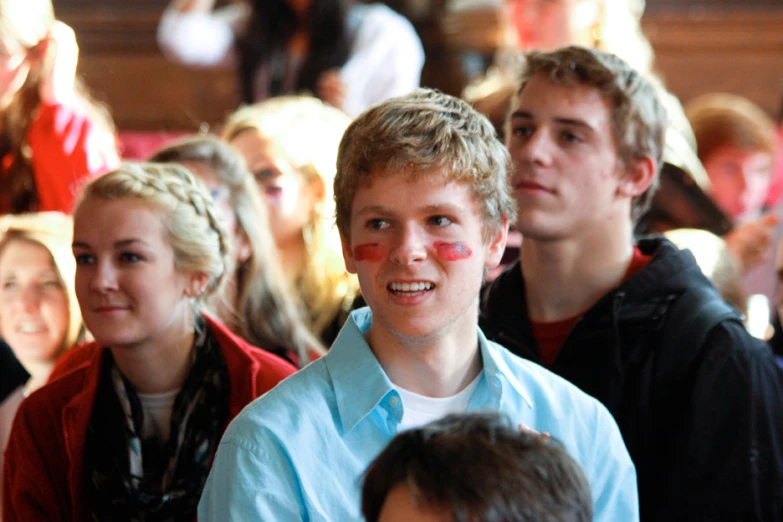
column 290, row 145
column 256, row 302
column 128, row 425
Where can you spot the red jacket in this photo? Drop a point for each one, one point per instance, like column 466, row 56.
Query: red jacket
column 68, row 149
column 43, row 474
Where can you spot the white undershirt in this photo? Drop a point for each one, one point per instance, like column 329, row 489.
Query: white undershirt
column 418, row 410
column 157, row 409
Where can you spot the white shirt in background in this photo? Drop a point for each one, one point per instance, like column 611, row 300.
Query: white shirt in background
column 385, row 60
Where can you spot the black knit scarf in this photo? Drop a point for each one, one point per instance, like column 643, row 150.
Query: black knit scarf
column 173, row 473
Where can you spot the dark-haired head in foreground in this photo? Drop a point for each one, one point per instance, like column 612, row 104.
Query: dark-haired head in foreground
column 475, row 468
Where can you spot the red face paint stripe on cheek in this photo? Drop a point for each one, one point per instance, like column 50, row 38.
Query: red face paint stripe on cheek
column 452, row 251
column 372, row 252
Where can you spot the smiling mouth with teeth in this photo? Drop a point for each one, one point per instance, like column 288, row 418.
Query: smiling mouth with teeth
column 410, row 288
column 29, row 328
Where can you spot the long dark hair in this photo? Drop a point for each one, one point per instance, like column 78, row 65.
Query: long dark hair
column 274, row 22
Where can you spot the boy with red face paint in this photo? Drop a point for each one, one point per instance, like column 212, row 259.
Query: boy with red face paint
column 423, row 207
column 701, row 417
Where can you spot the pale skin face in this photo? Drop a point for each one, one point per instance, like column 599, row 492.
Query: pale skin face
column 33, row 302
column 129, row 290
column 567, row 177
column 416, row 245
column 290, row 197
column 546, row 25
column 740, row 180
column 401, row 506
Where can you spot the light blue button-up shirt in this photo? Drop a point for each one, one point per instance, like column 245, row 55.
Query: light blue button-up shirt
column 299, row 452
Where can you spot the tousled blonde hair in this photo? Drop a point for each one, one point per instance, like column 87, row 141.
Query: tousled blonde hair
column 307, row 133
column 423, row 132
column 638, row 117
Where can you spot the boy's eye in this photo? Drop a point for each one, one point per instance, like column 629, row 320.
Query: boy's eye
column 51, row 283
column 377, row 224
column 522, row 132
column 440, row 221
column 570, row 137
column 9, row 285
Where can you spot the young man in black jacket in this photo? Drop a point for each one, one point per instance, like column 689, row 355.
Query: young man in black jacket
column 699, row 401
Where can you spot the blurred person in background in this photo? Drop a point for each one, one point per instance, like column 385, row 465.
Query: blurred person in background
column 735, row 142
column 715, row 261
column 39, row 313
column 255, row 302
column 290, row 146
column 348, row 54
column 53, row 137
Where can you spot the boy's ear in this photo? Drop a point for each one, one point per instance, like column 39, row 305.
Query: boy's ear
column 638, row 176
column 350, row 262
column 496, row 246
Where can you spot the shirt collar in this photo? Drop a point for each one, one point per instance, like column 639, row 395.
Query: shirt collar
column 360, row 384
column 359, row 381
column 496, row 368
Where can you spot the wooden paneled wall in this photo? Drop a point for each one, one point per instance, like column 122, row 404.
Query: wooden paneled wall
column 736, row 51
column 698, row 51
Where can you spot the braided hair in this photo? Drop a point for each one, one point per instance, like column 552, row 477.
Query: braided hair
column 195, row 232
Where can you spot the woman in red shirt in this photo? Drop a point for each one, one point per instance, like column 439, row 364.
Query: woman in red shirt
column 52, row 136
column 128, row 426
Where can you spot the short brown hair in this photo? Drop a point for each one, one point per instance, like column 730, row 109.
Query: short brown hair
column 638, row 116
column 417, row 133
column 479, row 466
column 726, row 120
